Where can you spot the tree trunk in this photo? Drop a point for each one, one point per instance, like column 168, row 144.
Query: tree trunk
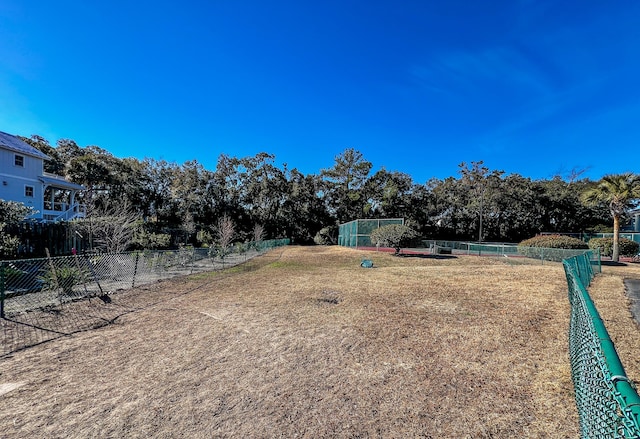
column 615, row 255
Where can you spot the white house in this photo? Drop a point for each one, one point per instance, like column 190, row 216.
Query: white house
column 634, row 225
column 22, row 179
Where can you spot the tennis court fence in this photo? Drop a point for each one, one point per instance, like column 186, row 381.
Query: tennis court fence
column 508, row 250
column 607, row 401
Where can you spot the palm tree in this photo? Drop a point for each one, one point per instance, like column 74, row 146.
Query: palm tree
column 621, row 192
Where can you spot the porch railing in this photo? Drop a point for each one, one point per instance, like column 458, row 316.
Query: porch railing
column 64, row 211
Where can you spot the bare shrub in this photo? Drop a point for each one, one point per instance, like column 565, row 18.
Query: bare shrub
column 258, row 233
column 111, row 227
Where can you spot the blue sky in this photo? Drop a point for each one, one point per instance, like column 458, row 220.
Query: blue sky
column 530, row 87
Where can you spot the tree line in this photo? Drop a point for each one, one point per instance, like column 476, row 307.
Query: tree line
column 187, row 201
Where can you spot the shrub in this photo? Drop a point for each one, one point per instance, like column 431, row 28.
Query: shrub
column 326, row 236
column 148, row 240
column 64, row 277
column 627, row 246
column 554, row 241
column 240, row 247
column 551, row 247
column 393, row 235
column 11, row 213
column 20, row 281
column 220, row 252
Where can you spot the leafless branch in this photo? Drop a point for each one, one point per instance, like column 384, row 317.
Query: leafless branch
column 111, row 227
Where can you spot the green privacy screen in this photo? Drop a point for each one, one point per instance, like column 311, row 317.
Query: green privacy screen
column 356, row 233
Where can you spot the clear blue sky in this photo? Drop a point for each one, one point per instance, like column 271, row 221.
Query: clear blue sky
column 530, row 87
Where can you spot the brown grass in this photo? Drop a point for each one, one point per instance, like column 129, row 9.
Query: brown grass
column 308, row 344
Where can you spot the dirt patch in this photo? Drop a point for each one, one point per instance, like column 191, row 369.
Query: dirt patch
column 309, row 344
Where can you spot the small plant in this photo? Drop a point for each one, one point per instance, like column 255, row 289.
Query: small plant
column 326, row 236
column 204, row 238
column 185, row 255
column 20, row 281
column 628, row 247
column 225, row 234
column 144, row 239
column 241, row 247
column 258, row 233
column 65, row 278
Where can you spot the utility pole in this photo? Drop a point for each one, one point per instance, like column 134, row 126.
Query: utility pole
column 481, row 206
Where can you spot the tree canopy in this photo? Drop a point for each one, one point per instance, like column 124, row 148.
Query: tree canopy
column 184, row 199
column 620, row 193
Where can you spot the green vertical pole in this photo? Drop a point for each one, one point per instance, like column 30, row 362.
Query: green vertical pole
column 2, row 284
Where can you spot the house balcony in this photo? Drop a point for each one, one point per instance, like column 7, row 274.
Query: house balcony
column 63, row 211
column 59, row 202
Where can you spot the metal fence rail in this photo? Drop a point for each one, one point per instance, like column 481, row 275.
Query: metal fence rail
column 607, row 401
column 534, row 254
column 41, row 299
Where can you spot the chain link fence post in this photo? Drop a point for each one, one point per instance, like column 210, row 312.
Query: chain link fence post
column 2, row 286
column 135, row 271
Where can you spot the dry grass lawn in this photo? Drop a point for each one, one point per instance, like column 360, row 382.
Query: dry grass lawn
column 303, row 342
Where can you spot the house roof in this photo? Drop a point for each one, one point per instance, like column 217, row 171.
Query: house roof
column 13, row 143
column 60, row 182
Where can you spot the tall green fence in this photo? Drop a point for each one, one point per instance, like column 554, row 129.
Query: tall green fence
column 607, row 401
column 357, row 233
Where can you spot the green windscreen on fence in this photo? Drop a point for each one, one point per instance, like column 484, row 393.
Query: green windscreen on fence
column 357, row 233
column 607, row 401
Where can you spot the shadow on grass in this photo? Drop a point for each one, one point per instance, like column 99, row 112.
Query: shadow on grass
column 613, row 264
column 425, row 256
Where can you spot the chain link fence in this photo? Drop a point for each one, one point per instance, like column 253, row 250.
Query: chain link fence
column 357, row 233
column 607, row 401
column 41, row 299
column 506, row 250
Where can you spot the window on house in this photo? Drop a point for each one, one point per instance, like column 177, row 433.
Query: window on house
column 28, row 191
column 19, row 160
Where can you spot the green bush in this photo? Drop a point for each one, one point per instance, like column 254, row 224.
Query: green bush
column 551, row 247
column 554, row 241
column 627, row 246
column 220, row 252
column 205, row 238
column 20, row 281
column 65, row 277
column 326, row 236
column 147, row 240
